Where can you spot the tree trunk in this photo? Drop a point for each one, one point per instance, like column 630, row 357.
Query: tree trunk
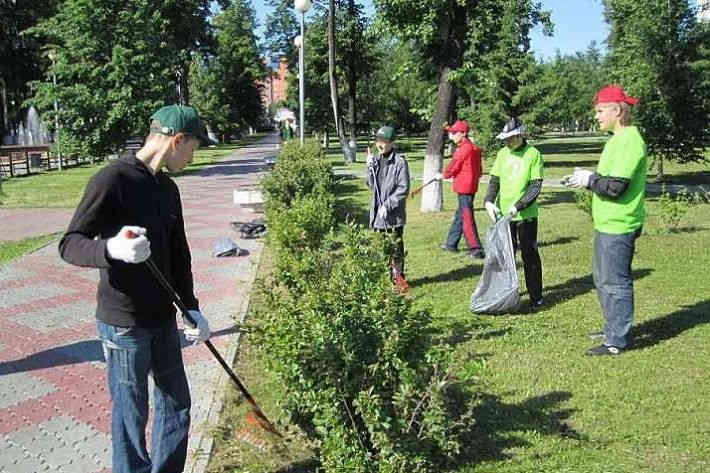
column 334, row 84
column 660, row 176
column 326, row 139
column 432, row 195
column 3, row 96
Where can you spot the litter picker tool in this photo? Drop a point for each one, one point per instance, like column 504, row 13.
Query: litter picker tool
column 419, row 189
column 257, row 416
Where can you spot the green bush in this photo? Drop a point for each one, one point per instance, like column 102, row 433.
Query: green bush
column 673, row 209
column 583, row 201
column 299, row 171
column 356, row 361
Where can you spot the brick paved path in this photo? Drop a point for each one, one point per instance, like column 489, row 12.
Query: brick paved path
column 54, row 404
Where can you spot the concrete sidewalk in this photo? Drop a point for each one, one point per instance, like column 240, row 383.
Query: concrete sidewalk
column 54, row 404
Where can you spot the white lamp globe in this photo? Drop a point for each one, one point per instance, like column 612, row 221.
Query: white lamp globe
column 302, row 5
column 298, row 41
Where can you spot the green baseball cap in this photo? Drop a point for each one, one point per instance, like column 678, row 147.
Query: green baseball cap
column 173, row 119
column 386, row 133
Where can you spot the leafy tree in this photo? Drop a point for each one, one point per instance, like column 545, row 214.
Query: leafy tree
column 21, row 56
column 115, row 64
column 228, row 94
column 456, row 38
column 659, row 53
column 281, row 27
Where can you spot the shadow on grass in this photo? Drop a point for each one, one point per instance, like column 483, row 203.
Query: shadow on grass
column 557, row 242
column 577, row 286
column 560, row 197
column 654, row 331
column 498, row 422
column 457, row 274
column 571, row 147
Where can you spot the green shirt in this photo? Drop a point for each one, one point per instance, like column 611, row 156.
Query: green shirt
column 624, row 156
column 515, row 169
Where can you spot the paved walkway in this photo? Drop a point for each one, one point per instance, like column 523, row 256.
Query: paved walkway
column 54, row 404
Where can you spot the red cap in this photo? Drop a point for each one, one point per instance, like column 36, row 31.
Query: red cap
column 615, row 94
column 460, row 125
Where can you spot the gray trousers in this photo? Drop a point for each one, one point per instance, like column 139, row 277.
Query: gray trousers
column 614, row 282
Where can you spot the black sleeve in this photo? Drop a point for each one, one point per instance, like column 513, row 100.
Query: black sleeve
column 531, row 193
column 182, row 261
column 608, row 186
column 493, row 188
column 84, row 244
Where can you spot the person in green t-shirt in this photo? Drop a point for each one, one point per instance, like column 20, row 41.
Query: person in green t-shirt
column 619, row 187
column 515, row 182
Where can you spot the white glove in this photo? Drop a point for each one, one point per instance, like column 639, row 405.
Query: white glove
column 370, row 157
column 513, row 211
column 382, row 212
column 493, row 210
column 129, row 250
column 580, row 178
column 198, row 333
column 438, row 176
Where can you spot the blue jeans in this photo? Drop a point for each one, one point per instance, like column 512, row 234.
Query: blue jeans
column 131, row 353
column 615, row 285
column 464, row 224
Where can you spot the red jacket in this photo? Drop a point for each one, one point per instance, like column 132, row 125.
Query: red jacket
column 465, row 167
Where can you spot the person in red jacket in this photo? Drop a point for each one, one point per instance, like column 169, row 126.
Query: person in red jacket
column 465, row 168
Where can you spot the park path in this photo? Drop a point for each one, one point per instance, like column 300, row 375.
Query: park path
column 54, row 404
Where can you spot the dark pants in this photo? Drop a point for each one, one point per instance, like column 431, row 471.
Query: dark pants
column 397, row 262
column 613, row 255
column 524, row 234
column 464, row 224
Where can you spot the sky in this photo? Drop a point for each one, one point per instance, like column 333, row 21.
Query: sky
column 577, row 23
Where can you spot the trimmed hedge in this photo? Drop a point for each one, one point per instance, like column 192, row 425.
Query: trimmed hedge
column 362, row 374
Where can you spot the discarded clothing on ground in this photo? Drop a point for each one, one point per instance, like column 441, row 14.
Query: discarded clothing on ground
column 497, row 289
column 226, row 247
column 249, row 230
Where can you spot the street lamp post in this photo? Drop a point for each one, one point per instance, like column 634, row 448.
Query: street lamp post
column 302, row 6
column 52, row 55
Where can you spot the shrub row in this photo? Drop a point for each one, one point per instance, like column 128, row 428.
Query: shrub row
column 361, row 374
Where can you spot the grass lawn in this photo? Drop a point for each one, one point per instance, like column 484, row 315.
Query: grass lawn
column 545, row 406
column 10, row 250
column 64, row 189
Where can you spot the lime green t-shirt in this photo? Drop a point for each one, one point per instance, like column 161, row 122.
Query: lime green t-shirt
column 516, row 169
column 624, row 156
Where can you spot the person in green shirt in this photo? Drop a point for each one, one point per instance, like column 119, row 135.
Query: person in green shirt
column 619, row 187
column 515, row 182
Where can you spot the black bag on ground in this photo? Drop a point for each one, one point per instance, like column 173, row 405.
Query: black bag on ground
column 497, row 289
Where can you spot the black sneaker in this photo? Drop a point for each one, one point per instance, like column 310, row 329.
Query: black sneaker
column 604, row 350
column 596, row 335
column 477, row 254
column 448, row 248
column 536, row 304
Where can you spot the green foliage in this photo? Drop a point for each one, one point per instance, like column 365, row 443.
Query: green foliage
column 300, row 171
column 225, row 86
column 116, row 63
column 659, row 54
column 672, row 209
column 583, row 201
column 360, row 371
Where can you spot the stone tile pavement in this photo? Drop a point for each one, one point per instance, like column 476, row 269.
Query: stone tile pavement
column 54, row 404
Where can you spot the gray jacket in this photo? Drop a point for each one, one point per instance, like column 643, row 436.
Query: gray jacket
column 388, row 177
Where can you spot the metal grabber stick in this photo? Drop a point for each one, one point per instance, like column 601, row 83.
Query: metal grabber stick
column 260, row 417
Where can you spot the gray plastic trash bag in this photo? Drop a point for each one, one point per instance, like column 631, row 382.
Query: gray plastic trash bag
column 226, row 247
column 497, row 290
